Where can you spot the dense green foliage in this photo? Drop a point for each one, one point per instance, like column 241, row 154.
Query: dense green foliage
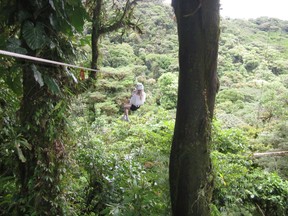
column 33, row 137
column 118, row 168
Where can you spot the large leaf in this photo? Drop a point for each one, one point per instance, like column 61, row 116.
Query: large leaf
column 14, row 45
column 37, row 75
column 72, row 75
column 53, row 21
column 52, row 84
column 22, row 143
column 20, row 153
column 23, row 15
column 76, row 21
column 51, row 2
column 34, row 36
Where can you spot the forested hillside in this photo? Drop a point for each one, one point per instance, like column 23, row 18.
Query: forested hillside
column 114, row 167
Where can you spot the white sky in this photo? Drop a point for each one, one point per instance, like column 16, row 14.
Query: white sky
column 254, row 8
column 245, row 9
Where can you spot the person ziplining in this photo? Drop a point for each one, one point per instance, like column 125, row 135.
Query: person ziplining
column 137, row 99
column 138, row 96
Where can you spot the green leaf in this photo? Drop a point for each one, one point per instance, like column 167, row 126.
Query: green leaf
column 23, row 15
column 52, row 84
column 24, row 143
column 72, row 75
column 34, row 36
column 37, row 75
column 51, row 2
column 84, row 40
column 58, row 105
column 74, row 3
column 53, row 21
column 77, row 21
column 20, row 153
column 14, row 81
column 76, row 15
column 14, row 45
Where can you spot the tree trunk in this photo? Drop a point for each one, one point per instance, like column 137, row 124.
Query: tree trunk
column 95, row 53
column 95, row 37
column 26, row 170
column 39, row 176
column 190, row 174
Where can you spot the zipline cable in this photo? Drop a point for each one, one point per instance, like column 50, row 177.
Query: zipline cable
column 2, row 52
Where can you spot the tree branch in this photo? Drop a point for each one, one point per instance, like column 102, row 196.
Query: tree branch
column 124, row 20
column 263, row 154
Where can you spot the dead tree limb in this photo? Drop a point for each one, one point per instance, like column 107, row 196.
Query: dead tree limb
column 264, row 154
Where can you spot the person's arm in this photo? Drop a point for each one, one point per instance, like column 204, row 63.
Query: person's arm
column 144, row 97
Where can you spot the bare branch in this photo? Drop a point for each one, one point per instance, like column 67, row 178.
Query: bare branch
column 263, row 154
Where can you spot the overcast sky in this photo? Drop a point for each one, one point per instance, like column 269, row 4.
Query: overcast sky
column 254, row 8
column 246, row 9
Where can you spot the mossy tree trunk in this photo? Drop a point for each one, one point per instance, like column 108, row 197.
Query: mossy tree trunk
column 190, row 175
column 44, row 129
column 44, row 101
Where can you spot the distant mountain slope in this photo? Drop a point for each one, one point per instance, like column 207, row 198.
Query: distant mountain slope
column 252, row 67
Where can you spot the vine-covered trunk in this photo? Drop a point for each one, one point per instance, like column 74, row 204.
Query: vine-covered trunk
column 42, row 29
column 26, row 169
column 190, row 166
column 39, row 176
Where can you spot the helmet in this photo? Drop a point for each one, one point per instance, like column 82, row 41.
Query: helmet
column 139, row 86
